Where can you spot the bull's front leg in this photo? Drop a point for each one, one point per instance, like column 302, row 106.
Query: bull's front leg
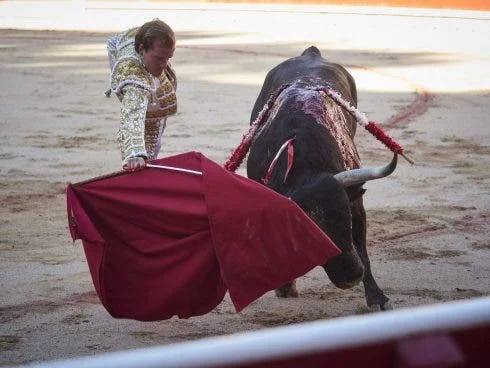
column 375, row 298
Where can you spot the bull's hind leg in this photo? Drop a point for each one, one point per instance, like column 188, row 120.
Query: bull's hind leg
column 287, row 290
column 375, row 297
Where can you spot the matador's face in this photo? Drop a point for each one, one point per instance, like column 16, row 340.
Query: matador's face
column 156, row 57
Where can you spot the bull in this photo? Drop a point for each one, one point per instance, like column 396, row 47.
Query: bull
column 304, row 149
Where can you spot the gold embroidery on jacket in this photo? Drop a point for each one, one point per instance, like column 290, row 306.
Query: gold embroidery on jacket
column 144, row 105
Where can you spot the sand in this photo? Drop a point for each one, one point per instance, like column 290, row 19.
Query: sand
column 423, row 75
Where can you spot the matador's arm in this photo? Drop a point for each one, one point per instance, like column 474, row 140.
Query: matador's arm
column 131, row 134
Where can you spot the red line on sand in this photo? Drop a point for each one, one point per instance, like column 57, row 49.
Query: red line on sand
column 423, row 100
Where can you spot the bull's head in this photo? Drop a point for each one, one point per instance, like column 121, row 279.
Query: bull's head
column 327, row 202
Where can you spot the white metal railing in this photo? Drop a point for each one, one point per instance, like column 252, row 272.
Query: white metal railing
column 296, row 340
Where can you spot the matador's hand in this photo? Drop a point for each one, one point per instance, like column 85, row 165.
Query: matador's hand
column 134, row 164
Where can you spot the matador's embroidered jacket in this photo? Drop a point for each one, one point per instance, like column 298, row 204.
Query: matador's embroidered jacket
column 146, row 100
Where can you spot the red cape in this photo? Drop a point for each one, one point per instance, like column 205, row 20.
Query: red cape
column 161, row 243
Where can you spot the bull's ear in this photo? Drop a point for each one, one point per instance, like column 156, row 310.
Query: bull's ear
column 355, row 192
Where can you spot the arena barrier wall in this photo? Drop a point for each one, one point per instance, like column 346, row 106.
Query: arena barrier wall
column 452, row 334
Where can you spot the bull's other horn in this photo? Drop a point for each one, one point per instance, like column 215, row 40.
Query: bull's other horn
column 357, row 176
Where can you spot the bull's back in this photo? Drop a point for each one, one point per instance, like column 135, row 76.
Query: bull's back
column 310, row 64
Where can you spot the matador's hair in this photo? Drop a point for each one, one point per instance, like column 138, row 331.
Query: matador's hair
column 151, row 31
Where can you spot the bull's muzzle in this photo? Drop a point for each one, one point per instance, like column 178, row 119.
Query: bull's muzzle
column 345, row 270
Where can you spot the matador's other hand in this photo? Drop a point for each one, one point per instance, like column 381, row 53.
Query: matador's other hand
column 134, row 164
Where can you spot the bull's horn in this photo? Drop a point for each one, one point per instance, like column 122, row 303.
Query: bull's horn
column 358, row 176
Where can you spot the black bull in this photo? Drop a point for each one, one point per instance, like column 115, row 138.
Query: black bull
column 323, row 175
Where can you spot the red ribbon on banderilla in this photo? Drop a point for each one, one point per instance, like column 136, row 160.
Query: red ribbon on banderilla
column 290, row 147
column 241, row 151
column 370, row 126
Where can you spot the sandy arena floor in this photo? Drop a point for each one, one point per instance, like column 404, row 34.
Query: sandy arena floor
column 423, row 75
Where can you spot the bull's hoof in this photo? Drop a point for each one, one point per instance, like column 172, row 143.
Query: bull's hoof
column 287, row 291
column 387, row 305
column 374, row 308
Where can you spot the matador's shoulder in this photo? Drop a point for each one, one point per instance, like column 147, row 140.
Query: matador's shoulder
column 128, row 68
column 130, row 71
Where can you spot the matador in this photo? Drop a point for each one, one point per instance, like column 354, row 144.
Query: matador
column 147, row 100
